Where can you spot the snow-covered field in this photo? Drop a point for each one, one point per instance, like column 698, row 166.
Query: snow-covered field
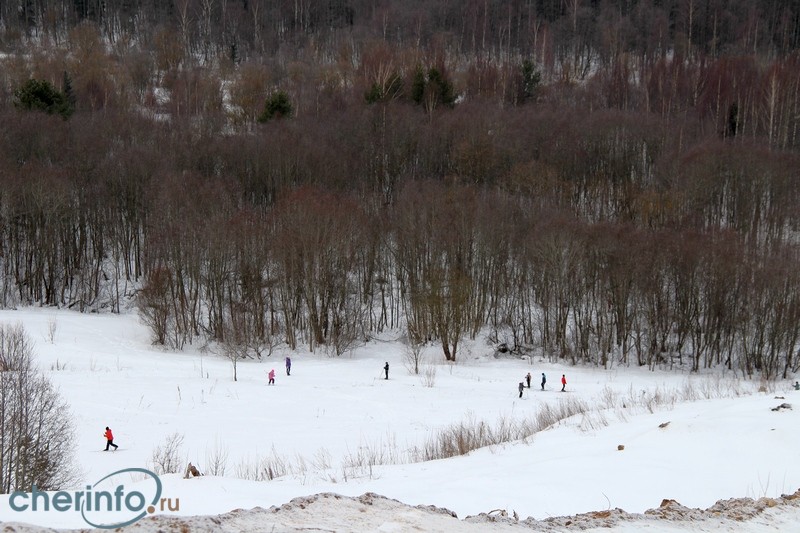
column 334, row 420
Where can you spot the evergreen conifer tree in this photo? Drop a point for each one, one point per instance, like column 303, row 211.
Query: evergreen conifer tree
column 276, row 106
column 41, row 95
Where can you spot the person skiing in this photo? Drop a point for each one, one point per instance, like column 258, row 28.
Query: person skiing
column 271, row 377
column 797, row 385
column 288, row 366
column 109, row 439
column 563, row 382
column 521, row 388
column 386, row 369
column 544, row 380
column 528, row 379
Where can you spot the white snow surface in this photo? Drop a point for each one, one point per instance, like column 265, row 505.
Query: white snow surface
column 334, row 415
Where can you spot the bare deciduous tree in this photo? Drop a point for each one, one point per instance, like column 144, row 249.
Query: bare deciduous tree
column 36, row 432
column 166, row 457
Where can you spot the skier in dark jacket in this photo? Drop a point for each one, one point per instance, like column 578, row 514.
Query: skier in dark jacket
column 544, row 380
column 288, row 366
column 386, row 369
column 528, row 379
column 521, row 388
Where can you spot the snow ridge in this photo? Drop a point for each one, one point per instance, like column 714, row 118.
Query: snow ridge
column 372, row 512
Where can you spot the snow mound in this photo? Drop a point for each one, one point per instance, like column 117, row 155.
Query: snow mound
column 372, row 512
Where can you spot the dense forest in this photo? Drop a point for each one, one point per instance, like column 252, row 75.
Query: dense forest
column 598, row 181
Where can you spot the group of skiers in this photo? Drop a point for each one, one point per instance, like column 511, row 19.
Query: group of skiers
column 544, row 382
column 271, row 374
column 521, row 384
column 110, row 436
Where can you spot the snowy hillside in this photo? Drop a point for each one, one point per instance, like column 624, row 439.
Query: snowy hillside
column 335, row 426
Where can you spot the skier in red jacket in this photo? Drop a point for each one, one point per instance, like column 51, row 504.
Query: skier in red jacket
column 110, row 439
column 563, row 382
